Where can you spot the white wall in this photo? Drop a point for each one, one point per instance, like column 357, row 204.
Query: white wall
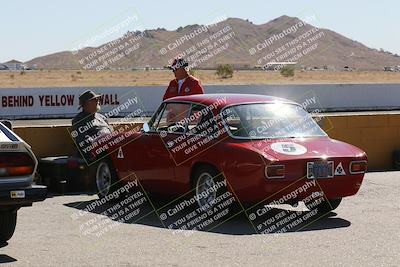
column 328, row 98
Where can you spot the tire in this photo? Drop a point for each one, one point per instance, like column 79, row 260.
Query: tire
column 204, row 178
column 8, row 221
column 104, row 179
column 327, row 206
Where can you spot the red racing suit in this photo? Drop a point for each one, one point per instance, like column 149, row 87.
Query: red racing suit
column 191, row 86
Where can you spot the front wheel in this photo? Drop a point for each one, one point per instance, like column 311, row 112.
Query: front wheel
column 8, row 221
column 104, row 179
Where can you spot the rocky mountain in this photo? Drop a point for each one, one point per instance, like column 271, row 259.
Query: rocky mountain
column 231, row 41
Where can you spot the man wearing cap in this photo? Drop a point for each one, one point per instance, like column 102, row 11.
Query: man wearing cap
column 89, row 124
column 183, row 84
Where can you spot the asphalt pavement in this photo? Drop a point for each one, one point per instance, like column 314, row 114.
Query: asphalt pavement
column 363, row 231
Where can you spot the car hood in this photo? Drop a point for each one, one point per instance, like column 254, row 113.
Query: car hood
column 295, row 148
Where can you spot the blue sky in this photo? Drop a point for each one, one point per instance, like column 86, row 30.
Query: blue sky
column 34, row 28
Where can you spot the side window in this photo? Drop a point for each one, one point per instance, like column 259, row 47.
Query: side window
column 201, row 121
column 173, row 118
column 233, row 118
column 156, row 117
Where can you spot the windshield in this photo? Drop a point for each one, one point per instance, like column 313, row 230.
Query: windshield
column 275, row 120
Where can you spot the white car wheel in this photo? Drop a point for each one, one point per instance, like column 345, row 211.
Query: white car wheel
column 103, row 179
column 205, row 193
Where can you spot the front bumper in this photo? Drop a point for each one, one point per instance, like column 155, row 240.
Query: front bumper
column 24, row 196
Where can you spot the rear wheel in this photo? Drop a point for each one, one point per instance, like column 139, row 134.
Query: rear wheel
column 8, row 221
column 105, row 181
column 206, row 188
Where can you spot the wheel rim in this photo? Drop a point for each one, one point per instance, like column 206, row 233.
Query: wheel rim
column 103, row 179
column 205, row 195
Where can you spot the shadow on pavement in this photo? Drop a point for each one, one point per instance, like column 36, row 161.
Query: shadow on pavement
column 235, row 224
column 6, row 259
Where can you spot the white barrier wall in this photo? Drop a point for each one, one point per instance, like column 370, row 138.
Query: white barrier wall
column 19, row 103
column 64, row 102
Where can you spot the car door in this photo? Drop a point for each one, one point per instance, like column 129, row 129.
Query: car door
column 201, row 134
column 155, row 166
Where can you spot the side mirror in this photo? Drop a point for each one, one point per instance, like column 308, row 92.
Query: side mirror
column 146, row 127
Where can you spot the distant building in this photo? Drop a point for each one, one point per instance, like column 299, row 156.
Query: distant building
column 3, row 67
column 389, row 69
column 14, row 65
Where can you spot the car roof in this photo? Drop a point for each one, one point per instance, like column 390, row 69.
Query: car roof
column 228, row 99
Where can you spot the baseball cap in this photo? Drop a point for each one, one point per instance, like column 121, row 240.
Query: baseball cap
column 178, row 63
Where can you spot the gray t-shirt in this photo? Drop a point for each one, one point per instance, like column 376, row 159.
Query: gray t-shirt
column 89, row 126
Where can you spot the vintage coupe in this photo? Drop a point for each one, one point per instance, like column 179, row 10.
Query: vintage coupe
column 260, row 144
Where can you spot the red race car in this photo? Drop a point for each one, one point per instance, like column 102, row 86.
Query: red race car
column 264, row 148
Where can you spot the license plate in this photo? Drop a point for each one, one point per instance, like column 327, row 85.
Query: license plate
column 17, row 194
column 323, row 169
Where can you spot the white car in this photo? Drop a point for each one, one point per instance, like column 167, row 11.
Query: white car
column 17, row 169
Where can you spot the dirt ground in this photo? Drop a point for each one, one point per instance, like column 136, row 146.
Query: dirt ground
column 58, row 78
